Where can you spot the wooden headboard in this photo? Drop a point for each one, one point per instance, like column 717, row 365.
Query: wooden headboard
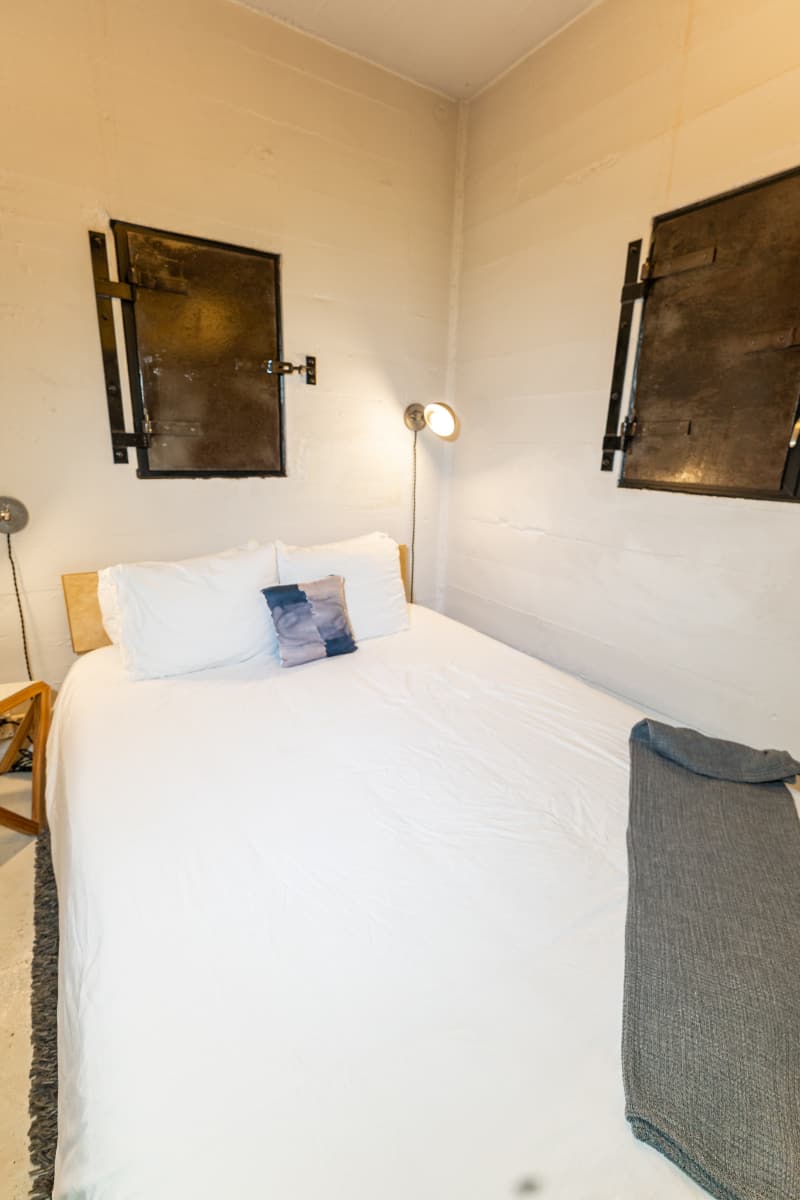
column 83, row 612
column 83, row 608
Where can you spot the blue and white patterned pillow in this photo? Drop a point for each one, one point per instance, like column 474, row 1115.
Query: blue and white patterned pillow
column 310, row 619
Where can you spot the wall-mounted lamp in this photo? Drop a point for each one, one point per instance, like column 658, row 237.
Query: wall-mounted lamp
column 13, row 517
column 441, row 420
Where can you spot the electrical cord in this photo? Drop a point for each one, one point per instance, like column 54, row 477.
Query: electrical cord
column 413, row 517
column 19, row 607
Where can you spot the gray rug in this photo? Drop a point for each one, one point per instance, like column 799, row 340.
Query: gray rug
column 43, row 1096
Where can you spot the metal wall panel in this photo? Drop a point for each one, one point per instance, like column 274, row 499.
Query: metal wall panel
column 205, row 316
column 717, row 379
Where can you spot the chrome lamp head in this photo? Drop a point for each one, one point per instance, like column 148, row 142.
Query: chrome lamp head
column 13, row 515
column 439, row 418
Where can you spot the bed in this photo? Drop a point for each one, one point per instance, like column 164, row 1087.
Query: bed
column 350, row 931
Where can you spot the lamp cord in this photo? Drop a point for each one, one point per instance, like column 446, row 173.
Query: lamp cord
column 19, row 607
column 413, row 516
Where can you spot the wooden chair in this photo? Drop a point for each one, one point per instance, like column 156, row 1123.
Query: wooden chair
column 35, row 723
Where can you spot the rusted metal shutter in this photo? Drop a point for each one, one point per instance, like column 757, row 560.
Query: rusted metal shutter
column 717, row 379
column 200, row 320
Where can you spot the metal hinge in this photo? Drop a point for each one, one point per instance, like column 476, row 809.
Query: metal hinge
column 111, row 290
column 175, row 429
column 778, row 339
column 139, row 440
column 135, row 441
column 660, row 268
column 154, row 283
column 634, row 291
column 622, row 440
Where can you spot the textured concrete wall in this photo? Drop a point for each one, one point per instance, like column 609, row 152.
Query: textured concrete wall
column 687, row 604
column 202, row 117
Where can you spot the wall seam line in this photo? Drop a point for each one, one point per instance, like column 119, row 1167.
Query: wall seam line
column 453, row 316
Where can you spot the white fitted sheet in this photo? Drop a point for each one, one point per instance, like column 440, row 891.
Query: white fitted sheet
column 352, row 930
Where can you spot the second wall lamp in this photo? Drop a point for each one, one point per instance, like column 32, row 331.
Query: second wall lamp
column 441, row 420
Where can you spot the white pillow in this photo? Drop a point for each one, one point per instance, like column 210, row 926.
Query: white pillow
column 370, row 567
column 107, row 588
column 177, row 617
column 109, row 604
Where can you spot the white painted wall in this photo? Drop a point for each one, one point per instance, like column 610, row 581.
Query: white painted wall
column 687, row 604
column 206, row 118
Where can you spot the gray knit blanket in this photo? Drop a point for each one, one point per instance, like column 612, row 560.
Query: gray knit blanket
column 711, row 1019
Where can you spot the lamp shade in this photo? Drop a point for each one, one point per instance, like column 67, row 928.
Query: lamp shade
column 440, row 419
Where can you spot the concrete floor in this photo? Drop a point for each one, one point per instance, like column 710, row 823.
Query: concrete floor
column 16, row 944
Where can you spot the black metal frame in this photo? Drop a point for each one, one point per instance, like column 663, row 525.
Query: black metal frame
column 633, row 291
column 107, row 289
column 753, row 186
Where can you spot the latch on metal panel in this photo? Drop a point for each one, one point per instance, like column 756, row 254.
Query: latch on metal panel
column 274, row 366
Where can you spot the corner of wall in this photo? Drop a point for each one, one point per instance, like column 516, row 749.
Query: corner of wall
column 454, row 302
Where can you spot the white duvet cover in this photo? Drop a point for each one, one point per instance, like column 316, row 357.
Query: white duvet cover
column 352, row 931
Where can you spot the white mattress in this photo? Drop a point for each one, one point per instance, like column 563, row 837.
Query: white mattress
column 352, row 930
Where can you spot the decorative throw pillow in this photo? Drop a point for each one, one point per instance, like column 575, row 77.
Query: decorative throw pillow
column 370, row 567
column 311, row 620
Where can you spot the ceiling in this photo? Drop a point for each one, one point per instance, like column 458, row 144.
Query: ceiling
column 454, row 46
